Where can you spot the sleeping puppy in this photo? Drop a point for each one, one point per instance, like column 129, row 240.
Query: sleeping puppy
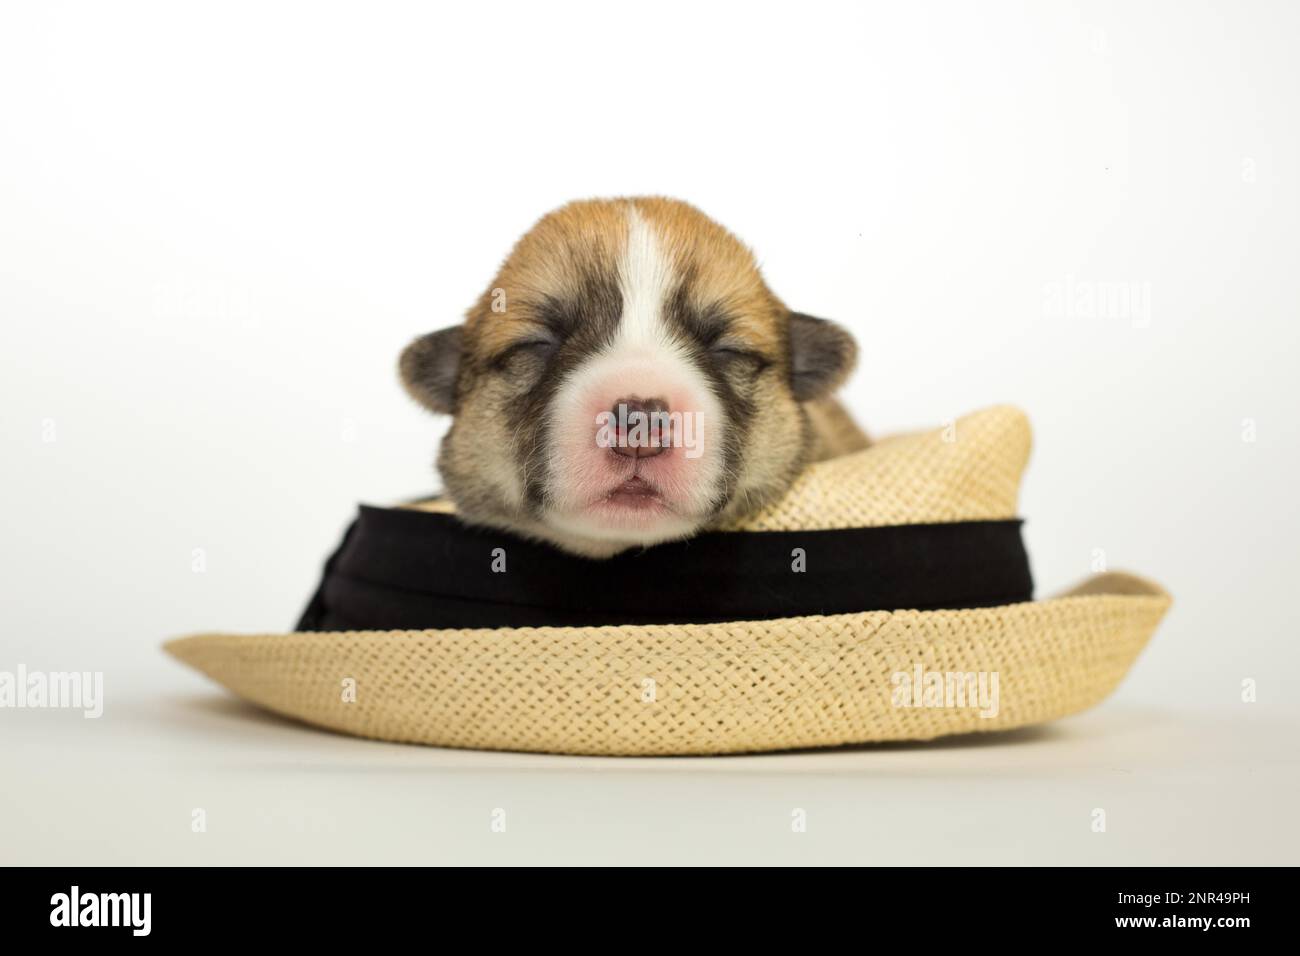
column 628, row 378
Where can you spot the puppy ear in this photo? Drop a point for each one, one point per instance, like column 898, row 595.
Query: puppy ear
column 821, row 356
column 428, row 368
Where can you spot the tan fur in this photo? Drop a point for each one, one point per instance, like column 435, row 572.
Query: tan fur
column 834, row 432
column 549, row 260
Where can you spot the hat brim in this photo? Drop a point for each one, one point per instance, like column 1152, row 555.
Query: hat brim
column 744, row 686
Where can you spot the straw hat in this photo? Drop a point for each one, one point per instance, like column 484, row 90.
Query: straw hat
column 885, row 597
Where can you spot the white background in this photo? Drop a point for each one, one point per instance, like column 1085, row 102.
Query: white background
column 220, row 223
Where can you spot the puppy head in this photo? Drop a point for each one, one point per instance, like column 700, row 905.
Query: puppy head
column 626, row 379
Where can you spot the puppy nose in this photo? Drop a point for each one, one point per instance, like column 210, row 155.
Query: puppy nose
column 642, row 430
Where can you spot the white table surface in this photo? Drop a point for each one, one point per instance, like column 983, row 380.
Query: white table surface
column 1177, row 787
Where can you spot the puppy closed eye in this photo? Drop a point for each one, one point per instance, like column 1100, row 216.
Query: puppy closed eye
column 531, row 351
column 737, row 359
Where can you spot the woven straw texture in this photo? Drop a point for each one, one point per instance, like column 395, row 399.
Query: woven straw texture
column 742, row 686
column 694, row 689
column 969, row 470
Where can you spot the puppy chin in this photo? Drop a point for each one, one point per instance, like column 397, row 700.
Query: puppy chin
column 611, row 503
column 608, row 529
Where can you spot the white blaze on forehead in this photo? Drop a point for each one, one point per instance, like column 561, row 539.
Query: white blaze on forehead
column 646, row 280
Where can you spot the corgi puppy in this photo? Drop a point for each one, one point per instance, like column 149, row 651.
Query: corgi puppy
column 628, row 378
